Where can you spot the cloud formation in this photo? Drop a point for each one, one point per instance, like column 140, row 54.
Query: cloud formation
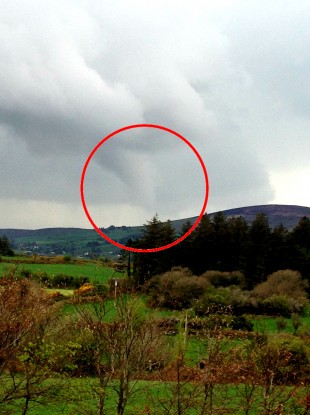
column 230, row 76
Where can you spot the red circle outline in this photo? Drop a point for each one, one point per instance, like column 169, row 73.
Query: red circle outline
column 140, row 250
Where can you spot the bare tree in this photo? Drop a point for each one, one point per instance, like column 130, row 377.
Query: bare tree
column 127, row 345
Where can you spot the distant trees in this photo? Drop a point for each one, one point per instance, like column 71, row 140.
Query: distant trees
column 225, row 244
column 5, row 248
column 300, row 247
column 258, row 249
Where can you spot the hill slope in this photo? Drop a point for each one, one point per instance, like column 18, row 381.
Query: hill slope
column 86, row 242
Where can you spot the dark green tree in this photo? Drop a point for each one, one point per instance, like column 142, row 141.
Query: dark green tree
column 300, row 247
column 145, row 265
column 258, row 250
column 239, row 240
column 202, row 246
column 221, row 246
column 184, row 254
column 5, row 248
column 279, row 250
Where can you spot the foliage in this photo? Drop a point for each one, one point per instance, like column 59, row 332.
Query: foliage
column 5, row 248
column 125, row 346
column 227, row 246
column 28, row 356
column 94, row 271
column 224, row 279
column 281, row 323
column 85, row 289
column 176, row 289
column 283, row 283
column 242, row 323
column 155, row 234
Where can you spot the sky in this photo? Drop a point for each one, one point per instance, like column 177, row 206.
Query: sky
column 230, row 76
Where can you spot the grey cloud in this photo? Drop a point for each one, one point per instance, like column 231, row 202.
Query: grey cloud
column 72, row 73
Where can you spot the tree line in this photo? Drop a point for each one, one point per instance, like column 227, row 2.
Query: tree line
column 224, row 244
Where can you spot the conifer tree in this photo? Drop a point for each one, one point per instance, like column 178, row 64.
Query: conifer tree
column 5, row 248
column 156, row 234
column 258, row 249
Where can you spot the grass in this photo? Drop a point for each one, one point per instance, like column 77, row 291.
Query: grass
column 149, row 397
column 94, row 271
column 269, row 325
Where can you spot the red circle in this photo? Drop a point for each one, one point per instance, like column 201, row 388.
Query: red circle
column 177, row 241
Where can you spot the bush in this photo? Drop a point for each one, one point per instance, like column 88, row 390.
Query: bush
column 283, row 283
column 280, row 305
column 56, row 296
column 67, row 281
column 297, row 365
column 212, row 300
column 85, row 290
column 25, row 273
column 242, row 323
column 281, row 324
column 225, row 279
column 62, row 280
column 67, row 258
column 176, row 289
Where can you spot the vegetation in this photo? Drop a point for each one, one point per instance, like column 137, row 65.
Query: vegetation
column 226, row 333
column 5, row 248
column 63, row 275
column 225, row 245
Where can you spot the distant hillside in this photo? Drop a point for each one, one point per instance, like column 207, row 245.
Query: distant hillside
column 288, row 215
column 87, row 243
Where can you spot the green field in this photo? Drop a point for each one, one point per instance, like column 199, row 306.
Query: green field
column 268, row 324
column 94, row 271
column 151, row 397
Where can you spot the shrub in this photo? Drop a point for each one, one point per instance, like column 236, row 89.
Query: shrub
column 281, row 324
column 297, row 366
column 62, row 280
column 25, row 273
column 242, row 323
column 296, row 322
column 176, row 289
column 281, row 305
column 56, row 296
column 85, row 289
column 283, row 283
column 225, row 279
column 212, row 300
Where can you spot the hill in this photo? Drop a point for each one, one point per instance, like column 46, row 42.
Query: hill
column 87, row 243
column 288, row 215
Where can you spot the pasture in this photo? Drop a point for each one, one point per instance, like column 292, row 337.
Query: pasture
column 95, row 271
column 156, row 397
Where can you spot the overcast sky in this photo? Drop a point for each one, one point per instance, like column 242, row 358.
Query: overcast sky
column 233, row 77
